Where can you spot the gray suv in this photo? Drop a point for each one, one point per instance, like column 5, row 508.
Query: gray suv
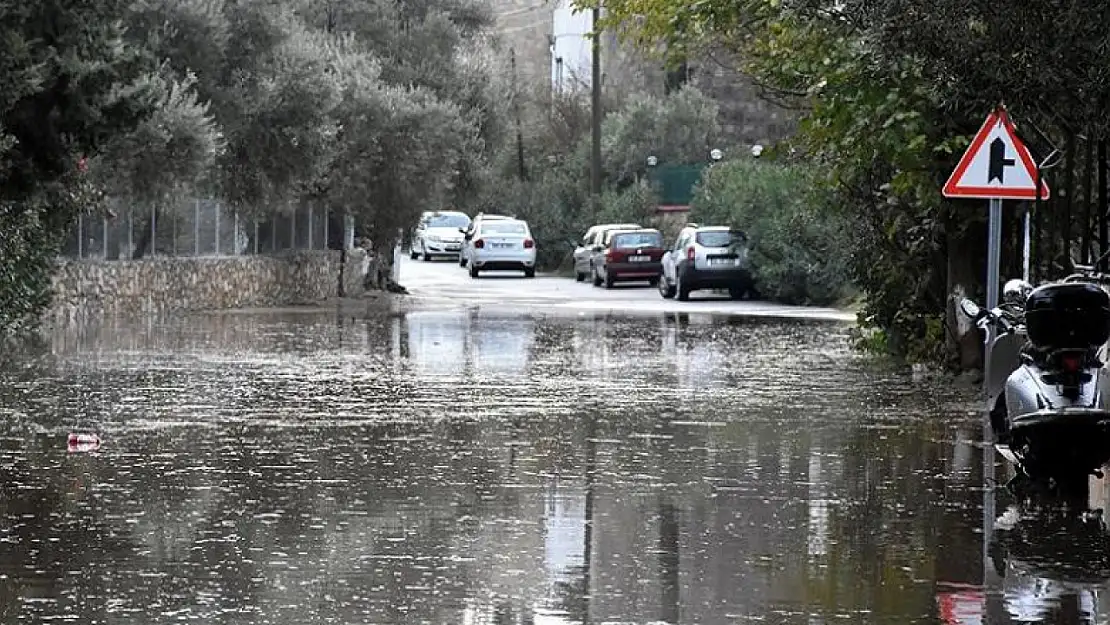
column 707, row 257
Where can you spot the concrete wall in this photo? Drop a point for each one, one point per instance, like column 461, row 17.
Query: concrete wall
column 88, row 288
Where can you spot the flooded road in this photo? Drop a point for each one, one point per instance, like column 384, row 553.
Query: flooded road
column 463, row 467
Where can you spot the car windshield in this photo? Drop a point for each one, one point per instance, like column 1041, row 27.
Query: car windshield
column 638, row 239
column 447, row 220
column 503, row 227
column 720, row 238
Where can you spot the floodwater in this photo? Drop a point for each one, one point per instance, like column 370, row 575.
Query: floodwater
column 455, row 467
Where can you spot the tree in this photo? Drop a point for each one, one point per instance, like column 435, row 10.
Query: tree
column 70, row 84
column 395, row 149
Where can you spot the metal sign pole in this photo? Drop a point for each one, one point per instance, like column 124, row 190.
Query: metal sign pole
column 994, row 256
column 1027, row 243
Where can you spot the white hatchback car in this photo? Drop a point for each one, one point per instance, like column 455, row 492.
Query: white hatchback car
column 502, row 244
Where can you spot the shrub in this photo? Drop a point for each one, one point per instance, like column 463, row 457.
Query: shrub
column 800, row 248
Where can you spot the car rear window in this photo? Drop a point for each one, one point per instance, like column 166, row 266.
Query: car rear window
column 638, row 239
column 498, row 227
column 720, row 238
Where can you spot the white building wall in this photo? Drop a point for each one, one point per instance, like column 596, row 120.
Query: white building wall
column 571, row 54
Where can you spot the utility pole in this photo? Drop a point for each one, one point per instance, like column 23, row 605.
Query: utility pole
column 595, row 97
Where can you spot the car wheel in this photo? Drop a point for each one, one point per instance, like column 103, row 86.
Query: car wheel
column 427, row 257
column 609, row 281
column 474, row 271
column 737, row 292
column 753, row 293
column 597, row 278
column 665, row 288
column 579, row 276
column 683, row 293
column 530, row 272
column 654, row 282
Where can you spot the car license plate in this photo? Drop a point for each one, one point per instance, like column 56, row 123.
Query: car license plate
column 716, row 262
column 639, row 259
column 502, row 245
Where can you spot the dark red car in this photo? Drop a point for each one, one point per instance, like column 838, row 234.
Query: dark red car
column 629, row 255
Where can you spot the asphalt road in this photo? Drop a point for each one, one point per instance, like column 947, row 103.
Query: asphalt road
column 444, row 282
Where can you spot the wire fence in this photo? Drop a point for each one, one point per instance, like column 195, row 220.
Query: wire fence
column 199, row 227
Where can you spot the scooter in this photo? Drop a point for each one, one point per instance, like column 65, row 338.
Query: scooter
column 1048, row 390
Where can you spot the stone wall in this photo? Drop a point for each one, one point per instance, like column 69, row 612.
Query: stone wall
column 88, row 288
column 746, row 116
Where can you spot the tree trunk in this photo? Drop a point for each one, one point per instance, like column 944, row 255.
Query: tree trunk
column 1088, row 200
column 146, row 239
column 1103, row 234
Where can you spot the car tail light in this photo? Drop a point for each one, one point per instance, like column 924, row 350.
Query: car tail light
column 1071, row 362
column 479, row 243
column 529, row 244
column 690, row 253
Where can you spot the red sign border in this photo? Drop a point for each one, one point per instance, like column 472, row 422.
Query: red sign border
column 954, row 189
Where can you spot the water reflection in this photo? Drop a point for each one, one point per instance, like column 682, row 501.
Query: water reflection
column 468, row 468
column 1053, row 564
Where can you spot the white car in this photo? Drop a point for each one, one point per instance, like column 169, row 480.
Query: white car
column 502, row 244
column 438, row 234
column 468, row 233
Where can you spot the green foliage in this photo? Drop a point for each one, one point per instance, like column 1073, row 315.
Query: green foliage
column 681, row 128
column 801, row 249
column 70, row 84
column 172, row 148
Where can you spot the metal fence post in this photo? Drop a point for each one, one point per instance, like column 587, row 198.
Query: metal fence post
column 235, row 232
column 104, row 250
column 293, row 230
column 196, row 227
column 217, row 228
column 130, row 232
column 310, row 224
column 80, row 236
column 256, row 229
column 153, row 231
column 327, row 218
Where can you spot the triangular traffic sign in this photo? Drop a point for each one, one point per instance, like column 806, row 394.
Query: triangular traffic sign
column 996, row 165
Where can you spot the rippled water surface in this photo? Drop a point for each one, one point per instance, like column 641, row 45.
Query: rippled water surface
column 462, row 468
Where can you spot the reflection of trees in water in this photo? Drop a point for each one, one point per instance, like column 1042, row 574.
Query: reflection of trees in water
column 897, row 523
column 214, row 512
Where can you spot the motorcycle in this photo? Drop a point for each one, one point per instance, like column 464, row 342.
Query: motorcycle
column 1048, row 390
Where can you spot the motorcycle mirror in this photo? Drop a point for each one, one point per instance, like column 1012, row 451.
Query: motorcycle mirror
column 971, row 309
